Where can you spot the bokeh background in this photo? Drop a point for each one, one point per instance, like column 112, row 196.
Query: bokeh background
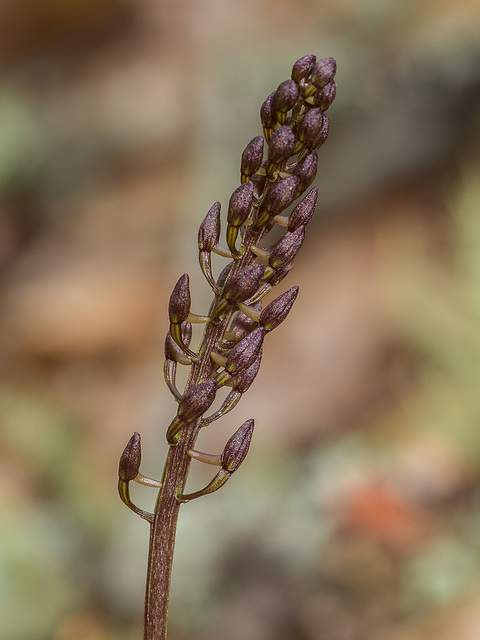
column 356, row 515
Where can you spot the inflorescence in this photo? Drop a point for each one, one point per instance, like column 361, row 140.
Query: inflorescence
column 276, row 169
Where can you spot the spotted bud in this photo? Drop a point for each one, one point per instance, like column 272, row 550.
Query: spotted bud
column 285, row 99
column 240, row 204
column 244, row 379
column 276, row 312
column 209, row 231
column 244, row 284
column 245, row 352
column 302, row 68
column 325, row 96
column 180, row 301
column 267, row 112
column 252, row 158
column 130, row 459
column 306, row 171
column 285, row 250
column 197, row 400
column 312, row 129
column 282, row 145
column 323, row 72
column 280, row 197
column 236, row 449
column 304, row 211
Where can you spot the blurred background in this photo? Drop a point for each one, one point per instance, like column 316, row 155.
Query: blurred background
column 356, row 515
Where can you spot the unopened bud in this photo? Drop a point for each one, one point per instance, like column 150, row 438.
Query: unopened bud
column 306, row 171
column 285, row 250
column 245, row 352
column 325, row 96
column 267, row 112
column 244, row 284
column 130, row 459
column 304, row 211
column 180, row 301
column 324, row 72
column 197, row 400
column 244, row 380
column 252, row 157
column 237, row 447
column 312, row 129
column 286, row 96
column 209, row 231
column 276, row 312
column 282, row 144
column 240, row 204
column 280, row 197
column 242, row 324
column 302, row 68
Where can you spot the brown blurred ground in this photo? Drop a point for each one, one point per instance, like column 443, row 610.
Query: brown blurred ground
column 355, row 516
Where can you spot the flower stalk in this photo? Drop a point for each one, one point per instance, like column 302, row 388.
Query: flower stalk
column 276, row 169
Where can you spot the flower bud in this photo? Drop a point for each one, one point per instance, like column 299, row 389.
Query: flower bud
column 245, row 352
column 130, row 459
column 285, row 250
column 306, row 171
column 242, row 382
column 240, row 204
column 282, row 144
column 197, row 400
column 276, row 312
column 325, row 96
column 323, row 72
column 267, row 113
column 237, row 447
column 245, row 283
column 243, row 324
column 286, row 96
column 180, row 301
column 304, row 211
column 281, row 196
column 252, row 157
column 312, row 129
column 302, row 68
column 209, row 231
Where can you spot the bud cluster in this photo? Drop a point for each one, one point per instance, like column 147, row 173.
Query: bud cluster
column 276, row 169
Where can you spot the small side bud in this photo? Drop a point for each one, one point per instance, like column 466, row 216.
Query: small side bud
column 303, row 212
column 267, row 116
column 276, row 312
column 312, row 130
column 325, row 96
column 197, row 400
column 286, row 96
column 236, row 449
column 240, row 204
column 285, row 250
column 281, row 196
column 244, row 284
column 252, row 158
column 306, row 171
column 243, row 354
column 209, row 231
column 302, row 68
column 282, row 145
column 243, row 381
column 130, row 459
column 180, row 301
column 324, row 72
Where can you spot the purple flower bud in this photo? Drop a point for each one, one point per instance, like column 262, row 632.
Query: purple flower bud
column 282, row 144
column 209, row 231
column 267, row 112
column 325, row 96
column 304, row 211
column 312, row 129
column 172, row 350
column 130, row 459
column 240, row 204
column 324, row 72
column 285, row 250
column 180, row 301
column 286, row 96
column 245, row 352
column 245, row 283
column 281, row 196
column 252, row 157
column 306, row 171
column 237, row 447
column 197, row 400
column 276, row 312
column 302, row 68
column 244, row 379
